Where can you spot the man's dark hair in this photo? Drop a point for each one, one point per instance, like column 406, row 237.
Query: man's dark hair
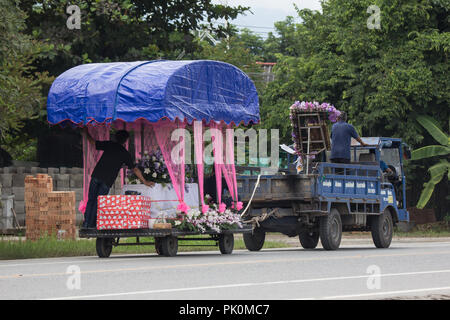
column 122, row 136
column 342, row 116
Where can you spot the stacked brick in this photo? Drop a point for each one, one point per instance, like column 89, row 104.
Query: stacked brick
column 64, row 179
column 48, row 212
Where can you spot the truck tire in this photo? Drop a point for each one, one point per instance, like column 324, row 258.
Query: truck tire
column 226, row 243
column 331, row 230
column 308, row 239
column 254, row 241
column 169, row 246
column 103, row 247
column 382, row 229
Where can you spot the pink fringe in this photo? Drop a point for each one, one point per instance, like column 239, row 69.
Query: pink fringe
column 205, row 208
column 82, row 207
column 183, row 207
column 222, row 207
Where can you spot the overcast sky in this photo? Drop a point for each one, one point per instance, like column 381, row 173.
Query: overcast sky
column 267, row 12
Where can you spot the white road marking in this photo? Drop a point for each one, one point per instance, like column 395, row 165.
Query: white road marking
column 94, row 259
column 234, row 262
column 237, row 285
column 131, row 257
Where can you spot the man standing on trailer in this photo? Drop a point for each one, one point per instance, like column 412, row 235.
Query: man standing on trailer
column 341, row 136
column 105, row 172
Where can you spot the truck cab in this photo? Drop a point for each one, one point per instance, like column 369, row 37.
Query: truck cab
column 388, row 154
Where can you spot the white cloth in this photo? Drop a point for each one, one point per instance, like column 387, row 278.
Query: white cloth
column 159, row 194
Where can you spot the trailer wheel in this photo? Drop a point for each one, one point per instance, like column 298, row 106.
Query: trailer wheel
column 169, row 246
column 226, row 243
column 103, row 247
column 382, row 229
column 254, row 241
column 331, row 230
column 308, row 239
column 158, row 249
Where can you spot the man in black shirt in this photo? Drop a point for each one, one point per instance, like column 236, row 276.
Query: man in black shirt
column 106, row 171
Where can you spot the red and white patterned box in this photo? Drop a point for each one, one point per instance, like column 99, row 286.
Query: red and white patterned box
column 123, row 212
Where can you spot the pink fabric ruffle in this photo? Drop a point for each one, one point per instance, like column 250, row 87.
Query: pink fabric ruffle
column 183, row 207
column 205, row 208
column 82, row 206
column 222, row 207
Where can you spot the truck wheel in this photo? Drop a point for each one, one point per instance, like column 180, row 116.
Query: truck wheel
column 103, row 247
column 226, row 243
column 382, row 229
column 158, row 246
column 254, row 241
column 308, row 239
column 169, row 246
column 331, row 230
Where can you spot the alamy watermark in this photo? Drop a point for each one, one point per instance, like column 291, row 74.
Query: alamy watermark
column 374, row 21
column 249, row 144
column 74, row 280
column 74, row 20
column 374, row 279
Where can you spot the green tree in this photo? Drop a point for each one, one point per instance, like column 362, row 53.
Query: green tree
column 239, row 50
column 124, row 30
column 382, row 77
column 437, row 171
column 21, row 88
column 111, row 30
column 253, row 42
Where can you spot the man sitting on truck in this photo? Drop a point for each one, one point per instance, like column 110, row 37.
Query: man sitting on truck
column 105, row 172
column 341, row 136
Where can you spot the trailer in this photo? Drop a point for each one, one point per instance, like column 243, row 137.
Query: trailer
column 166, row 241
column 330, row 199
column 158, row 100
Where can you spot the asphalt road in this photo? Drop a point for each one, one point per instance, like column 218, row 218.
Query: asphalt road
column 355, row 271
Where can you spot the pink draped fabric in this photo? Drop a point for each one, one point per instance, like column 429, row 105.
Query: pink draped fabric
column 121, row 125
column 90, row 158
column 174, row 156
column 229, row 170
column 137, row 128
column 143, row 130
column 224, row 168
column 198, row 146
column 150, row 142
column 217, row 141
column 174, row 153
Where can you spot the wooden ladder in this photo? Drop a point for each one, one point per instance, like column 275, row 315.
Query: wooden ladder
column 313, row 147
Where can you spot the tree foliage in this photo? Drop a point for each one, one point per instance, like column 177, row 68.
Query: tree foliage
column 38, row 42
column 21, row 93
column 382, row 78
column 439, row 170
column 124, row 30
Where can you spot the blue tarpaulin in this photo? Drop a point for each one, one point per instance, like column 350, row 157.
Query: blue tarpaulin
column 153, row 90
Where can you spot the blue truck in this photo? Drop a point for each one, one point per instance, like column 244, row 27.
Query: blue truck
column 330, row 198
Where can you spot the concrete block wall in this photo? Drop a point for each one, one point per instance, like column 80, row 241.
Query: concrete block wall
column 12, row 181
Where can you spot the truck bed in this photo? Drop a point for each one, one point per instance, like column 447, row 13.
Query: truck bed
column 330, row 182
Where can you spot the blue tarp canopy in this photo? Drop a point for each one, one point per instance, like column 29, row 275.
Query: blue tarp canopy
column 153, row 90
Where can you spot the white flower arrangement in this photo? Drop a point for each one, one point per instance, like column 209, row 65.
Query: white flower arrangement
column 194, row 220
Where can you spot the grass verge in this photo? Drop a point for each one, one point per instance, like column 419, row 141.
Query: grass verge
column 423, row 234
column 427, row 230
column 50, row 247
